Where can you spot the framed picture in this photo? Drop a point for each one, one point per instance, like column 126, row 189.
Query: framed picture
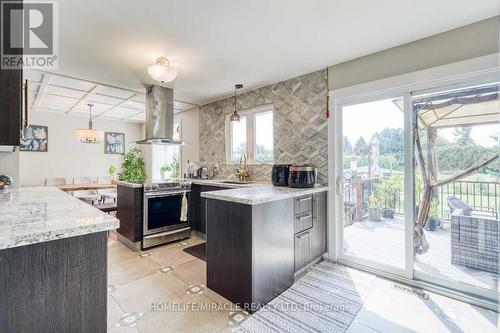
column 114, row 143
column 34, row 138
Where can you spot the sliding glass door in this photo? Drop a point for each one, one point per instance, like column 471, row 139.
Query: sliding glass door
column 417, row 177
column 371, row 184
column 458, row 187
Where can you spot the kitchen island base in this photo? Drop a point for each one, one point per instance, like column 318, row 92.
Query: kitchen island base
column 250, row 250
column 55, row 286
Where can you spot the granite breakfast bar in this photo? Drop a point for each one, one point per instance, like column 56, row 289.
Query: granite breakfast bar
column 53, row 259
column 259, row 237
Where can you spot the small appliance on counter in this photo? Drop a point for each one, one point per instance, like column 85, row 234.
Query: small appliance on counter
column 280, row 174
column 302, row 176
column 202, row 173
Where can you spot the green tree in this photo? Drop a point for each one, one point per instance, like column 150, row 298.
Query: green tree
column 462, row 135
column 347, row 145
column 360, row 147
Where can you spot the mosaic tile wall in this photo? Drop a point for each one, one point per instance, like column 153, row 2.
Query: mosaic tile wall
column 300, row 126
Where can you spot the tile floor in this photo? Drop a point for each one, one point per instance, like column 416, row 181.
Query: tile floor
column 167, row 275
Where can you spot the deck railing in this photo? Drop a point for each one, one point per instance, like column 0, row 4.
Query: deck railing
column 481, row 195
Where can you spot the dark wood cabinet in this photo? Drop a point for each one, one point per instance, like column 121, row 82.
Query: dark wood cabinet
column 198, row 206
column 319, row 231
column 250, row 250
column 310, row 238
column 129, row 210
column 10, row 106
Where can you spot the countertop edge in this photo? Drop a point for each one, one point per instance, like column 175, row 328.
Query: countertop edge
column 129, row 184
column 53, row 235
column 216, row 195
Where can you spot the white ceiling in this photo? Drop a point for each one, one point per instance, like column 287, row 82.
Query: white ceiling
column 215, row 44
column 51, row 92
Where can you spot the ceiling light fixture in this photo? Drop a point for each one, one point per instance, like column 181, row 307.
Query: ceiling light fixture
column 162, row 71
column 89, row 135
column 235, row 116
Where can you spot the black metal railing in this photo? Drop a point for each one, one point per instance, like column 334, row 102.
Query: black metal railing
column 480, row 195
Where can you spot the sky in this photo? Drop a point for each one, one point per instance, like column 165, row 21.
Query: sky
column 368, row 118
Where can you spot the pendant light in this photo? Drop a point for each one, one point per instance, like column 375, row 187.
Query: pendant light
column 235, row 116
column 89, row 135
column 162, row 71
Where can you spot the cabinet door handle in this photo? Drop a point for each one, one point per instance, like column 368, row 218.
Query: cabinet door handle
column 307, row 234
column 300, row 218
column 304, row 199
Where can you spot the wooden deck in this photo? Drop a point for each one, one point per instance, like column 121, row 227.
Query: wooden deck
column 383, row 242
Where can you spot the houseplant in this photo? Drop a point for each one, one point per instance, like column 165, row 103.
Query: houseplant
column 112, row 173
column 164, row 169
column 133, row 169
column 374, row 211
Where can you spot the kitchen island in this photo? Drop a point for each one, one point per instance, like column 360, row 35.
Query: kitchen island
column 53, row 259
column 259, row 237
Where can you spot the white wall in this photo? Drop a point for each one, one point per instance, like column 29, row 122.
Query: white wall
column 66, row 156
column 467, row 42
column 191, row 134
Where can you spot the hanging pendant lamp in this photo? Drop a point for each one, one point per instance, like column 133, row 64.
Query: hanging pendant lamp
column 89, row 135
column 235, row 116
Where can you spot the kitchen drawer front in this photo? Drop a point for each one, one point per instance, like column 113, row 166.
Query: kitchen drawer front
column 303, row 249
column 303, row 204
column 303, row 222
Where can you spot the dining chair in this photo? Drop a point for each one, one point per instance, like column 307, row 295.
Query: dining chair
column 89, row 196
column 107, row 193
column 55, row 181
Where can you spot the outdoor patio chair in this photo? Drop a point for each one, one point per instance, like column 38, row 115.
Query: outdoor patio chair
column 475, row 241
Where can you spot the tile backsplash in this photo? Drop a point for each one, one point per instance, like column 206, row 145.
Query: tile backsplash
column 300, row 126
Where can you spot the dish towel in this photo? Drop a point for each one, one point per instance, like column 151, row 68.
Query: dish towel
column 184, row 208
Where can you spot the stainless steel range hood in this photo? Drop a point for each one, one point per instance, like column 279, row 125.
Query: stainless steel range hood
column 160, row 116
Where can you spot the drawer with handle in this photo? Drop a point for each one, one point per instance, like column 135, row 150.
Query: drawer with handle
column 303, row 222
column 303, row 204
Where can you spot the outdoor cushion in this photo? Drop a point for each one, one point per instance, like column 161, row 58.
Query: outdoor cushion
column 456, row 203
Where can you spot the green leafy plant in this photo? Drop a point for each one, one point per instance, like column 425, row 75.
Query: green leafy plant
column 373, row 201
column 389, row 189
column 166, row 168
column 433, row 210
column 112, row 169
column 133, row 169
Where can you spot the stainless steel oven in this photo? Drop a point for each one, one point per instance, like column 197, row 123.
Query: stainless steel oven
column 162, row 216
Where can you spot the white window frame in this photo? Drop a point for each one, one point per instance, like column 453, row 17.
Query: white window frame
column 250, row 115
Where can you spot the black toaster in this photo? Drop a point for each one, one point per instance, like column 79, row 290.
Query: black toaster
column 280, row 174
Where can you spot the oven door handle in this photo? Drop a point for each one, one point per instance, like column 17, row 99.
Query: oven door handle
column 160, row 234
column 165, row 194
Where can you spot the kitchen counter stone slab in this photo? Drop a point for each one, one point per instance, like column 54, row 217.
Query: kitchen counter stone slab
column 254, row 194
column 31, row 215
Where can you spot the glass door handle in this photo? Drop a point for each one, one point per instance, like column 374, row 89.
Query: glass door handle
column 339, row 185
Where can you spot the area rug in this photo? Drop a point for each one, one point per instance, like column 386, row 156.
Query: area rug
column 325, row 299
column 199, row 251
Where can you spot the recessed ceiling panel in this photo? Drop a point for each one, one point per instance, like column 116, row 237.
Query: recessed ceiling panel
column 97, row 98
column 65, row 92
column 114, row 92
column 71, row 83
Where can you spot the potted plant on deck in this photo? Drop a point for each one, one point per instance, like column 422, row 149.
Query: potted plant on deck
column 389, row 190
column 433, row 217
column 374, row 211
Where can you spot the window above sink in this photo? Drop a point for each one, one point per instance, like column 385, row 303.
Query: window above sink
column 253, row 136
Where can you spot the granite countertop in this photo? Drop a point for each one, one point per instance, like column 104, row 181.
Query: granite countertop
column 129, row 184
column 33, row 215
column 254, row 194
